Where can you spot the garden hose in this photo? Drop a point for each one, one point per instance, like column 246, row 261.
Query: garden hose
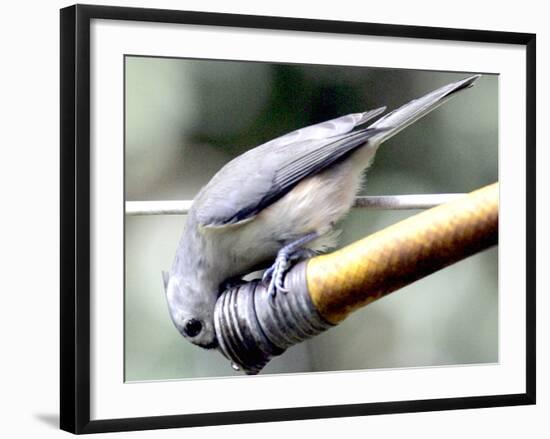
column 253, row 327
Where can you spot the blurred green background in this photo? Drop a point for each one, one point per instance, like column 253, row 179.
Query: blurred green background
column 186, row 118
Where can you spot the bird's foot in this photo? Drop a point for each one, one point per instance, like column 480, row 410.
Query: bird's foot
column 275, row 274
column 289, row 253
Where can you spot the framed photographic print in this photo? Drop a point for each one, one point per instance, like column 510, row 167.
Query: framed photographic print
column 238, row 191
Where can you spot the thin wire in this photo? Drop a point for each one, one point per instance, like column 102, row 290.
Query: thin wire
column 379, row 202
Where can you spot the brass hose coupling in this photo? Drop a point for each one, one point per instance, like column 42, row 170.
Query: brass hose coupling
column 252, row 327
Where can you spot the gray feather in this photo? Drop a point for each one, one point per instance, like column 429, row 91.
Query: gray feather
column 259, row 177
column 401, row 118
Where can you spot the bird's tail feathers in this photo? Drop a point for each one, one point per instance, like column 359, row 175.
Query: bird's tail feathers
column 392, row 123
column 369, row 115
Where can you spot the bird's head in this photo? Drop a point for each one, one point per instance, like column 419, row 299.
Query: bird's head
column 191, row 307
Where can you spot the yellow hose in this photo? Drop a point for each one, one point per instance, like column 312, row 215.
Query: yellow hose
column 356, row 275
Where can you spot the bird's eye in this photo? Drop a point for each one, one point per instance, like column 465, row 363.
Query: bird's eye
column 192, row 327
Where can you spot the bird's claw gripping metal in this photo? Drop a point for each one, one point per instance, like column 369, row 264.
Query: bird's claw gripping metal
column 289, row 253
column 275, row 274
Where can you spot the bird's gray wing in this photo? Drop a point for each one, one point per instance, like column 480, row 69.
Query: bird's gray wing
column 261, row 176
column 324, row 130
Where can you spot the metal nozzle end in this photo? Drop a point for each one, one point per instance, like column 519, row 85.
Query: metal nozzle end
column 252, row 327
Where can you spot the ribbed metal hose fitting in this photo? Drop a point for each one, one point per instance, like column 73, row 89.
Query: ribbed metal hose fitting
column 253, row 327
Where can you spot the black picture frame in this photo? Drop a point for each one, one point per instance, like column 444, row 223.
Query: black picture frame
column 75, row 217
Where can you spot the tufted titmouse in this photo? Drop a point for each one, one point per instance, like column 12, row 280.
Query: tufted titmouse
column 278, row 201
